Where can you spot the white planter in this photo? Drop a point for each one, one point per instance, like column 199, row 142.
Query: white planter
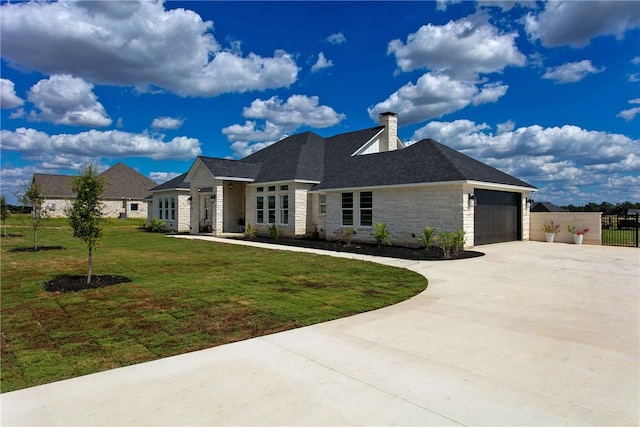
column 577, row 238
column 549, row 237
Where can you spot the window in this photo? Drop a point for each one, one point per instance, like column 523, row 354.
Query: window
column 166, row 208
column 272, row 188
column 134, row 206
column 323, row 203
column 260, row 210
column 271, row 209
column 366, row 209
column 260, row 189
column 347, row 208
column 284, row 188
column 284, row 209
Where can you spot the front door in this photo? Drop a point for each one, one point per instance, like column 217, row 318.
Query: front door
column 205, row 224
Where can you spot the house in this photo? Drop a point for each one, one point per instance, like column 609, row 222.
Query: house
column 123, row 196
column 546, row 207
column 171, row 203
column 306, row 183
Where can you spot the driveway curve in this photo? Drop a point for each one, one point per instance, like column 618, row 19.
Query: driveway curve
column 530, row 334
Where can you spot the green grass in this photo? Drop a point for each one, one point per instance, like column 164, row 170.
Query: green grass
column 186, row 295
column 618, row 237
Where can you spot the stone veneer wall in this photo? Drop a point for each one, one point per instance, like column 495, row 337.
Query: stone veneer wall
column 590, row 220
column 406, row 211
column 110, row 208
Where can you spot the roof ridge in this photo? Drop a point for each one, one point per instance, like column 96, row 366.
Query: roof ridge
column 439, row 146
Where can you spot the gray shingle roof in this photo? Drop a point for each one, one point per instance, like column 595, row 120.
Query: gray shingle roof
column 125, row 182
column 54, row 186
column 424, row 161
column 546, row 207
column 231, row 168
column 172, row 184
column 121, row 182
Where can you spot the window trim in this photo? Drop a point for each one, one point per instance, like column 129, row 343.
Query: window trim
column 368, row 207
column 347, row 209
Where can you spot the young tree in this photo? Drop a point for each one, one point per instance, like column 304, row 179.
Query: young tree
column 85, row 214
column 31, row 195
column 4, row 214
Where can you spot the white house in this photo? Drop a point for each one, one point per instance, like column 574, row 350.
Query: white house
column 171, row 203
column 306, row 182
column 123, row 197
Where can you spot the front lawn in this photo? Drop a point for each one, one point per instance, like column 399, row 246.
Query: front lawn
column 185, row 295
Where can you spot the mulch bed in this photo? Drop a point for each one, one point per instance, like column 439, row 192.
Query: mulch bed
column 418, row 254
column 40, row 248
column 69, row 283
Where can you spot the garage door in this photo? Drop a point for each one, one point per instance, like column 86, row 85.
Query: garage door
column 497, row 217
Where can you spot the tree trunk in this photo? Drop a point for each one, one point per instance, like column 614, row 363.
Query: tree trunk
column 90, row 269
column 35, row 238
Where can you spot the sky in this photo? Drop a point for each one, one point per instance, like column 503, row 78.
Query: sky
column 547, row 92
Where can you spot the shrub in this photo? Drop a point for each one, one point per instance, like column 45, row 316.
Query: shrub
column 428, row 237
column 452, row 243
column 273, row 231
column 345, row 235
column 249, row 232
column 156, row 225
column 382, row 234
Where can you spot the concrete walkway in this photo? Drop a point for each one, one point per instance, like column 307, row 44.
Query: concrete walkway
column 530, row 334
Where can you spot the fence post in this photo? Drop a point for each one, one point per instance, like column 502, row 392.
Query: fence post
column 637, row 228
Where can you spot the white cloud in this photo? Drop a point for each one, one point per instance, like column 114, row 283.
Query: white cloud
column 571, row 72
column 136, row 44
column 575, row 23
column 337, row 38
column 67, row 100
column 161, row 177
column 537, row 153
column 281, row 118
column 321, row 63
column 433, row 96
column 507, row 5
column 166, row 123
column 38, row 145
column 8, row 97
column 462, row 49
column 631, row 113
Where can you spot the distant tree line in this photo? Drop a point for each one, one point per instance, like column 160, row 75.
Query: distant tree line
column 605, row 207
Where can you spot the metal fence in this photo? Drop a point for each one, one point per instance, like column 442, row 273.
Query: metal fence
column 620, row 230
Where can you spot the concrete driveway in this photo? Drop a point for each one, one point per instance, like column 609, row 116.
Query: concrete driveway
column 530, row 334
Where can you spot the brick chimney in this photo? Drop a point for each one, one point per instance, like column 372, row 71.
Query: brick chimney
column 389, row 137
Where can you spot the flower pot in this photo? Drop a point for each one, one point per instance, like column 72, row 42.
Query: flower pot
column 549, row 237
column 577, row 238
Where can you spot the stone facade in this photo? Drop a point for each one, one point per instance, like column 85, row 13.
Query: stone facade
column 110, row 208
column 182, row 214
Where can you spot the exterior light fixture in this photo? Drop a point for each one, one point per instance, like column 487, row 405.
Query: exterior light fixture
column 472, row 200
column 213, row 197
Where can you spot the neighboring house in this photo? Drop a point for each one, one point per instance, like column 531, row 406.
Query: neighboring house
column 546, row 207
column 171, row 203
column 123, row 196
column 306, row 182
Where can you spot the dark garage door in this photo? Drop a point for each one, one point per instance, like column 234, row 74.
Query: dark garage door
column 497, row 217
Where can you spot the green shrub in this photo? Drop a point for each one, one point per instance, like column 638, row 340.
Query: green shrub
column 273, row 231
column 452, row 243
column 249, row 232
column 345, row 235
column 156, row 225
column 428, row 237
column 381, row 234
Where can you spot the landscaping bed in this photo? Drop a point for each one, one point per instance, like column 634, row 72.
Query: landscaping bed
column 419, row 254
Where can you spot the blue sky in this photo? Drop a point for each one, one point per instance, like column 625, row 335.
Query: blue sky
column 548, row 92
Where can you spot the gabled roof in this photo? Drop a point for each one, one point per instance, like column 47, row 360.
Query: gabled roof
column 125, row 182
column 424, row 161
column 54, row 186
column 176, row 183
column 225, row 168
column 546, row 207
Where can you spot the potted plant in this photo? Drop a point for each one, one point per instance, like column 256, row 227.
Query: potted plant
column 578, row 233
column 550, row 231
